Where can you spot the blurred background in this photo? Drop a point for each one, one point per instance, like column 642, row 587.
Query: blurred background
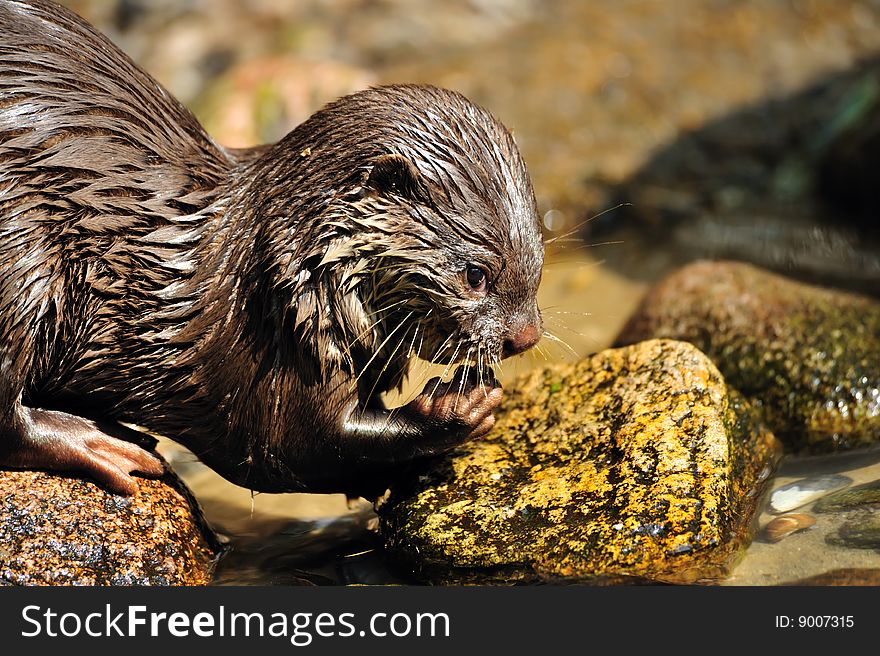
column 655, row 133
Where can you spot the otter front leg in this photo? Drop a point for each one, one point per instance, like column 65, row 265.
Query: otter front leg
column 48, row 439
column 378, row 444
column 441, row 417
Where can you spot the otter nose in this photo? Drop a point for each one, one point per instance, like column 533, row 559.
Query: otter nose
column 522, row 341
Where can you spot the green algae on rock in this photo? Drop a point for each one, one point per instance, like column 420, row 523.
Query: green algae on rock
column 56, row 530
column 633, row 464
column 807, row 355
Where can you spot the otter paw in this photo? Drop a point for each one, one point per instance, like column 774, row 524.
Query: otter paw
column 458, row 410
column 62, row 442
column 111, row 461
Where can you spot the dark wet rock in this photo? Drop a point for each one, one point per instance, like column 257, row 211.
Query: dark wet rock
column 843, row 576
column 861, row 496
column 807, row 355
column 633, row 464
column 862, row 531
column 800, row 493
column 56, row 530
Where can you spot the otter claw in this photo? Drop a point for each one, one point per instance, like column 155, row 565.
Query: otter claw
column 112, row 461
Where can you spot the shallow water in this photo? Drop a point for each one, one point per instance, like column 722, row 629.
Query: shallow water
column 300, row 539
column 808, row 553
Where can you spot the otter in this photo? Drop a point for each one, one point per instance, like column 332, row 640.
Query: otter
column 252, row 305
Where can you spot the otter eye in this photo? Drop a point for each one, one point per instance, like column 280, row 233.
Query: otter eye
column 476, row 278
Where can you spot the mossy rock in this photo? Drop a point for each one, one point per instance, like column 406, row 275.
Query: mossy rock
column 56, row 530
column 634, row 464
column 807, row 355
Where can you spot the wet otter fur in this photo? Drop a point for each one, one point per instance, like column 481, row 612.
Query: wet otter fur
column 249, row 304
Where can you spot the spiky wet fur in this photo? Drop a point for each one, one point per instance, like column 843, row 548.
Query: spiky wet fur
column 240, row 302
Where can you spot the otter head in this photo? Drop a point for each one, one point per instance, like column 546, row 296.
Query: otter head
column 429, row 238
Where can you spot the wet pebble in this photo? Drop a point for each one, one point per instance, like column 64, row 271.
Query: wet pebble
column 800, row 493
column 861, row 496
column 784, row 525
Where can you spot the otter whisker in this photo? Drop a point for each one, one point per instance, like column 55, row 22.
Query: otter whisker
column 496, row 360
column 584, row 222
column 563, row 258
column 379, row 350
column 581, row 242
column 348, row 346
column 418, row 384
column 388, row 307
column 592, row 245
column 446, row 370
column 551, row 309
column 564, row 326
column 467, row 366
column 391, row 357
column 442, row 346
column 559, row 340
column 452, row 360
column 480, row 369
column 412, row 344
column 412, row 352
column 402, row 375
column 538, row 348
column 421, row 344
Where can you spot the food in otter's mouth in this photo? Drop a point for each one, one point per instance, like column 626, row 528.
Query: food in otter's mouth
column 250, row 304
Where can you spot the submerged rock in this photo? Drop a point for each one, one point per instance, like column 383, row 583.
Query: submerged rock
column 862, row 531
column 861, row 496
column 633, row 464
column 56, row 530
column 807, row 355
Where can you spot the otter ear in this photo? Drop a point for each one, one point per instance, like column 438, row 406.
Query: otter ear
column 398, row 175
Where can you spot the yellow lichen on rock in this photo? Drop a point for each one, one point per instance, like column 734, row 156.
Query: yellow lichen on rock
column 632, row 462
